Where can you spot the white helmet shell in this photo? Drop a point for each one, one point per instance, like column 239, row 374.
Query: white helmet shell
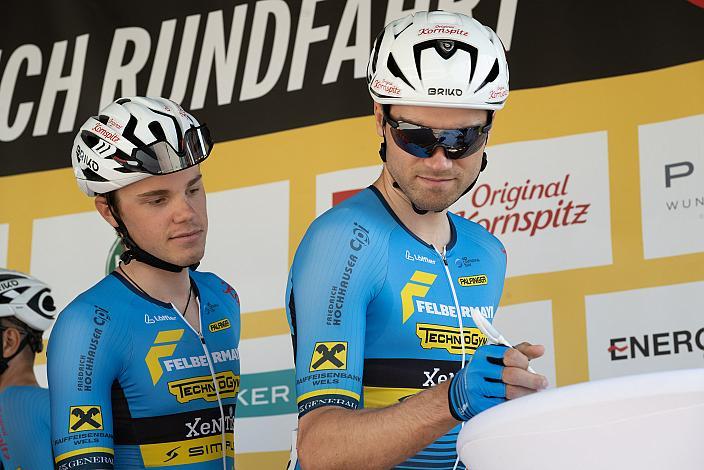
column 26, row 298
column 438, row 59
column 121, row 127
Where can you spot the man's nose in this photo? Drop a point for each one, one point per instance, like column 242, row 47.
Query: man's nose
column 184, row 210
column 438, row 160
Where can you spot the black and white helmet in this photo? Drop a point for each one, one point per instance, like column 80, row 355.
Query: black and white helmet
column 438, row 59
column 27, row 299
column 135, row 138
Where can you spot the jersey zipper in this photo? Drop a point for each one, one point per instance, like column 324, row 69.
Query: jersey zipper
column 443, row 255
column 212, row 375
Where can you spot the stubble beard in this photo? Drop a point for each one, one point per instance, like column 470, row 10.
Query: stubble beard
column 427, row 199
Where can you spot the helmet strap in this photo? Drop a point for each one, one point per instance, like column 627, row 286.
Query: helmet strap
column 484, row 162
column 134, row 252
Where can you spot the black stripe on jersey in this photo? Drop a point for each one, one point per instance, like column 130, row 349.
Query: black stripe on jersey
column 87, row 461
column 407, row 373
column 318, row 401
column 292, row 313
column 169, row 428
column 121, row 416
column 443, row 458
column 450, row 448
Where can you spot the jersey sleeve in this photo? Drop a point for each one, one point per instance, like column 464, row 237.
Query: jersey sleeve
column 338, row 269
column 85, row 354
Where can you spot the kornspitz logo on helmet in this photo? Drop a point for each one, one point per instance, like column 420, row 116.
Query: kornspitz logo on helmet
column 500, row 92
column 386, row 86
column 98, row 129
column 443, row 29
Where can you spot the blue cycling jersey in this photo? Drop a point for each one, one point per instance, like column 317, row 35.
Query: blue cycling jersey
column 133, row 385
column 372, row 311
column 25, row 433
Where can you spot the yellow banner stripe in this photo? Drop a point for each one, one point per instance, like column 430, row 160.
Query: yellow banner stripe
column 328, row 391
column 87, row 450
column 202, row 449
column 40, row 358
column 424, row 278
column 264, row 323
column 259, row 460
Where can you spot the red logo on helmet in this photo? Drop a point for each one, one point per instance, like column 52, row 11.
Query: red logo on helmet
column 114, row 124
column 98, row 129
column 500, row 92
column 443, row 29
column 386, row 86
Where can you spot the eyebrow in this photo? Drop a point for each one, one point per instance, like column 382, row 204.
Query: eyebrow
column 164, row 192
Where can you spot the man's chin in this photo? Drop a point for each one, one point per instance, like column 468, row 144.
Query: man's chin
column 185, row 261
column 432, row 204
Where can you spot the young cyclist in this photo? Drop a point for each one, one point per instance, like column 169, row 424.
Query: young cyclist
column 144, row 366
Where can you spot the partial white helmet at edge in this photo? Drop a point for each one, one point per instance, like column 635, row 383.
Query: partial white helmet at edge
column 135, row 138
column 27, row 299
column 438, row 59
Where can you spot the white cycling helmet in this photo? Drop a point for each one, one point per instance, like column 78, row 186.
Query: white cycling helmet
column 135, row 138
column 27, row 299
column 438, row 59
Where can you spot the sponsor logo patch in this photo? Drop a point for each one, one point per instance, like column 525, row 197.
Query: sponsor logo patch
column 475, row 280
column 85, row 418
column 203, row 387
column 164, row 346
column 87, row 457
column 418, row 286
column 329, row 355
column 219, row 325
column 449, row 338
column 414, row 257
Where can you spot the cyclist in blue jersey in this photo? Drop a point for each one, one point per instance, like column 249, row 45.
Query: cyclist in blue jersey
column 26, row 310
column 144, row 366
column 383, row 287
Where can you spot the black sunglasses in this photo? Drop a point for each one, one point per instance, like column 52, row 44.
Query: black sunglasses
column 422, row 141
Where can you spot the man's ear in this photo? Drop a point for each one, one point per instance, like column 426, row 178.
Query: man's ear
column 11, row 341
column 379, row 119
column 101, row 205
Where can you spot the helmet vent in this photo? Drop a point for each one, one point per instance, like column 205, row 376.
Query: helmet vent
column 158, row 131
column 493, row 73
column 396, row 71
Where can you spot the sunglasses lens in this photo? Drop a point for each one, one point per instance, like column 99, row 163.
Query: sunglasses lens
column 161, row 158
column 421, row 142
column 418, row 142
column 468, row 142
